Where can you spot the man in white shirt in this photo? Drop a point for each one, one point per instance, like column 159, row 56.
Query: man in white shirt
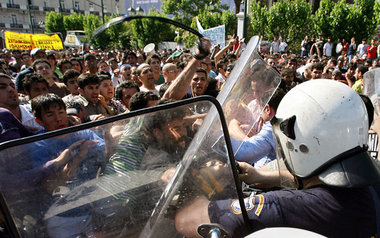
column 9, row 100
column 328, row 47
column 362, row 48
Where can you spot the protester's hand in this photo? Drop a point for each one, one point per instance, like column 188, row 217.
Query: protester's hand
column 74, row 120
column 102, row 100
column 66, row 155
column 204, row 47
column 248, row 174
column 168, row 175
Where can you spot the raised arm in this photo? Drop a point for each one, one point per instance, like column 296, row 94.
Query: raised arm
column 179, row 87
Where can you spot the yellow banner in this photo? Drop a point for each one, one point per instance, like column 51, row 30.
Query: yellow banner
column 24, row 41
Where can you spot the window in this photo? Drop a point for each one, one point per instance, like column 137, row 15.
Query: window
column 76, row 6
column 33, row 20
column 11, row 2
column 91, row 7
column 14, row 19
column 62, row 4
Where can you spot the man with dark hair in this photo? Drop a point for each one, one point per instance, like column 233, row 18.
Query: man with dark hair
column 50, row 111
column 131, row 58
column 64, row 65
column 90, row 64
column 142, row 100
column 76, row 64
column 70, row 79
column 359, row 72
column 43, row 68
column 316, row 71
column 155, row 62
column 35, row 54
column 89, row 95
column 107, row 91
column 35, row 85
column 9, row 100
column 199, row 83
column 146, row 77
column 125, row 91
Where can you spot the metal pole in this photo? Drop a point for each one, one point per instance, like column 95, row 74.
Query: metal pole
column 30, row 16
column 245, row 18
column 101, row 3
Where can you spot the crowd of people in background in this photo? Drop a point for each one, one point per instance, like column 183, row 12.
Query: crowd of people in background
column 103, row 83
column 47, row 90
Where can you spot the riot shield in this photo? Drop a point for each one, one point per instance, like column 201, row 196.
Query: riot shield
column 127, row 176
column 371, row 87
column 248, row 89
column 133, row 172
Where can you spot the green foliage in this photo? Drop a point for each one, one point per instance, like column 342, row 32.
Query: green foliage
column 147, row 31
column 185, row 10
column 294, row 19
column 73, row 22
column 259, row 19
column 54, row 23
column 288, row 19
column 376, row 17
column 322, row 18
column 207, row 20
column 90, row 23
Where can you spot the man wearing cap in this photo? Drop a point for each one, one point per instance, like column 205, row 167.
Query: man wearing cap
column 36, row 54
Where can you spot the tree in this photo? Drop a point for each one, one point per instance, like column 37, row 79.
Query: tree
column 147, row 31
column 73, row 22
column 322, row 18
column 90, row 23
column 227, row 18
column 259, row 19
column 290, row 20
column 185, row 10
column 54, row 23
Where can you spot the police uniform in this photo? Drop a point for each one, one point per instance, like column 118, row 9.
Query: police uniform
column 329, row 211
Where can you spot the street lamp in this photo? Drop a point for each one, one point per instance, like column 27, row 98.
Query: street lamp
column 131, row 11
column 139, row 10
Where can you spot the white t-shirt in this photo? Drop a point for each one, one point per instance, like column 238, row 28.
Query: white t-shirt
column 328, row 47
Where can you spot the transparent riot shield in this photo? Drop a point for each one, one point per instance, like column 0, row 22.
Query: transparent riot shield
column 125, row 176
column 244, row 96
column 371, row 87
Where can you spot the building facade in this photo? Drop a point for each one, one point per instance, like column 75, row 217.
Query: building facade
column 28, row 16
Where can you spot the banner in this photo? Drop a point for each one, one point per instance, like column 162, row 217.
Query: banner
column 24, row 41
column 217, row 35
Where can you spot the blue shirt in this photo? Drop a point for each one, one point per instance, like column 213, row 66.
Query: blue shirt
column 49, row 149
column 329, row 211
column 258, row 150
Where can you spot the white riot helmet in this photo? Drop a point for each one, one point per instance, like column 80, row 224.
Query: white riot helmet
column 321, row 128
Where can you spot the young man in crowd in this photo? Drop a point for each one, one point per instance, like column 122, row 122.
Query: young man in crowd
column 125, row 91
column 89, row 96
column 155, row 62
column 146, row 77
column 9, row 100
column 107, row 91
column 43, row 68
column 70, row 79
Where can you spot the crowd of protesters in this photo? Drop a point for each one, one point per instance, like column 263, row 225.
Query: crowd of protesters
column 89, row 86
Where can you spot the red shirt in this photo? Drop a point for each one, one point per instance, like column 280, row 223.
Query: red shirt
column 372, row 52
